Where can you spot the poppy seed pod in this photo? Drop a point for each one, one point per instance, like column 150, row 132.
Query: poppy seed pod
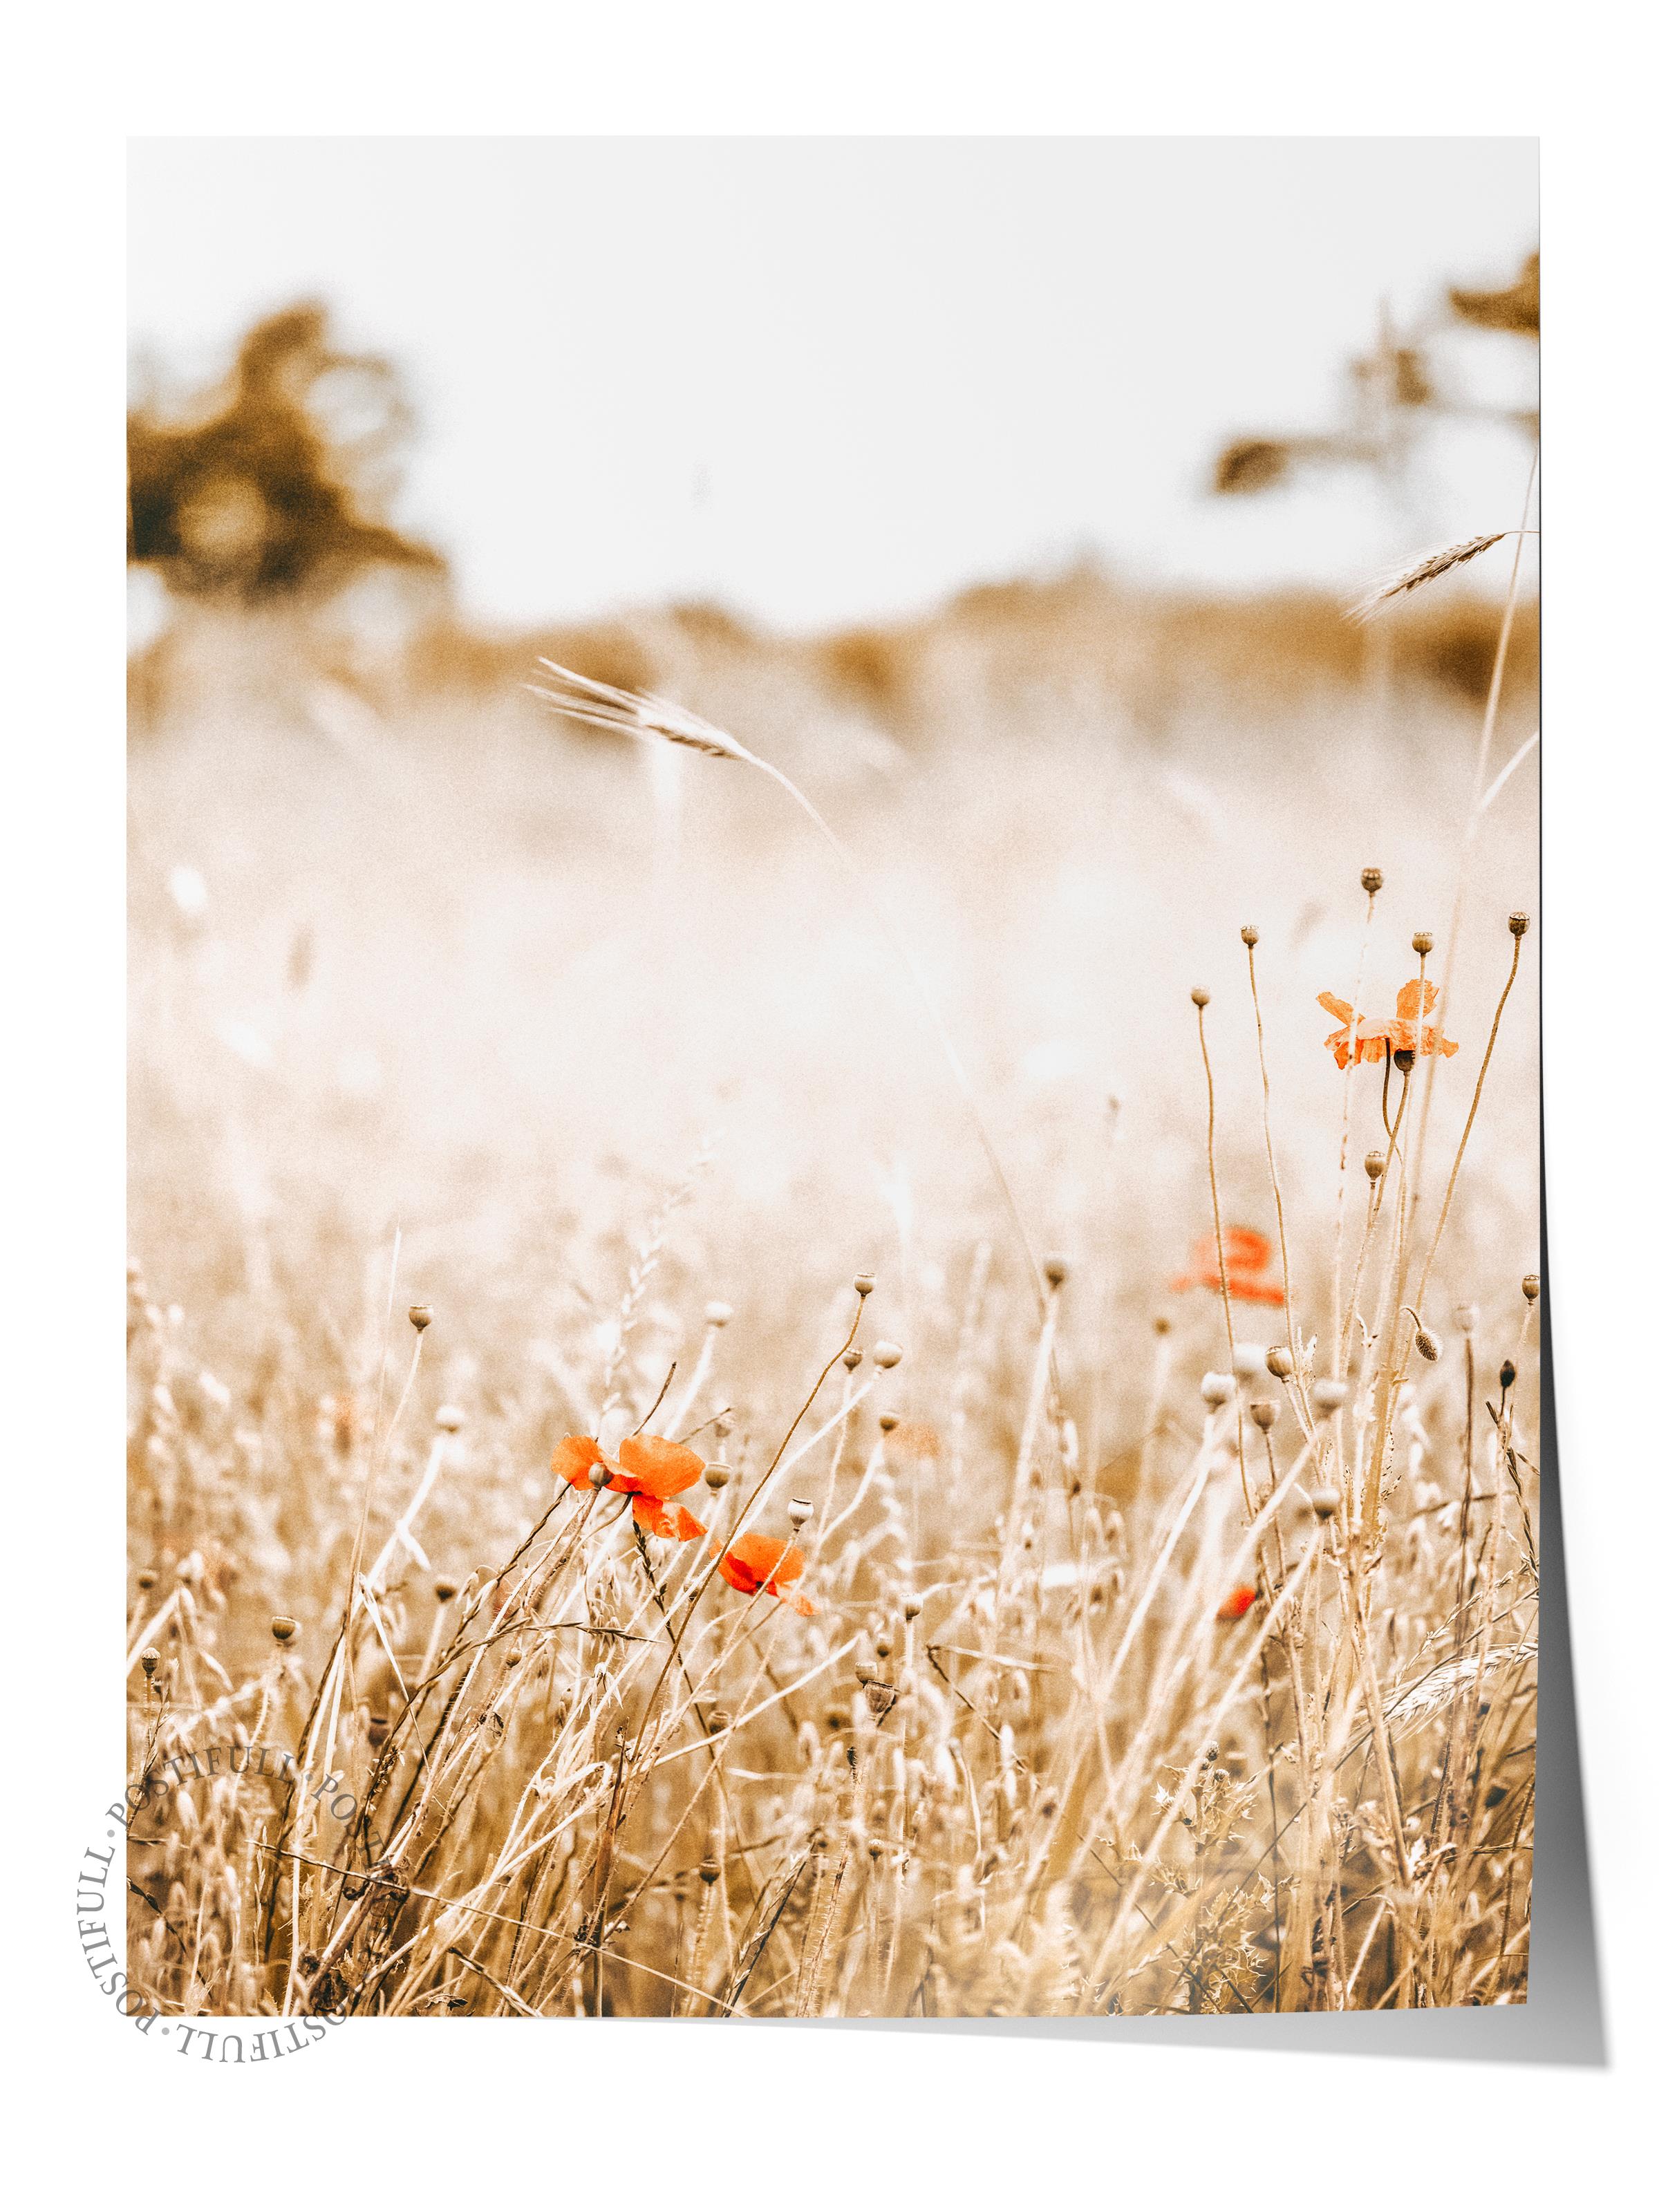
column 1519, row 924
column 1375, row 1164
column 284, row 1627
column 912, row 1608
column 1422, row 943
column 1216, row 1389
column 1428, row 1343
column 1249, row 1360
column 146, row 1578
column 1530, row 1288
column 717, row 1313
column 886, row 1355
column 1200, row 996
column 719, row 1720
column 801, row 1512
column 449, row 1419
column 863, row 1284
column 887, row 1423
column 420, row 1319
column 1160, row 1324
column 1405, row 1059
column 1324, row 1501
column 717, row 1475
column 851, row 1359
column 1328, row 1393
column 1506, row 1375
column 1055, row 1270
column 1264, row 1412
column 1371, row 880
column 1467, row 1319
column 1251, row 936
column 444, row 1588
column 149, row 1661
column 598, row 1475
column 1280, row 1362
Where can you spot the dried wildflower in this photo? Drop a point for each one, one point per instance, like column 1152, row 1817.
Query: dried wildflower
column 647, row 1469
column 1237, row 1603
column 1248, row 1255
column 1409, row 1029
column 756, row 1563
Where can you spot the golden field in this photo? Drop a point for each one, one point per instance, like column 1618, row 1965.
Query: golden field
column 595, row 1049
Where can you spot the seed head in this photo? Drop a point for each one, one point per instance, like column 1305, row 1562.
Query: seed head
column 1264, row 1412
column 146, row 1578
column 284, row 1627
column 912, row 1608
column 863, row 1284
column 1422, row 943
column 801, row 1512
column 1324, row 1501
column 1200, row 997
column 1328, row 1393
column 420, row 1319
column 1249, row 1360
column 1529, row 1290
column 880, row 1697
column 851, row 1358
column 717, row 1475
column 1160, row 1324
column 1280, row 1362
column 886, row 1355
column 1405, row 1059
column 149, row 1661
column 1371, row 881
column 888, row 1423
column 1506, row 1376
column 717, row 1313
column 1428, row 1343
column 719, row 1720
column 1216, row 1389
column 598, row 1475
column 449, row 1419
column 1519, row 924
column 1055, row 1270
column 710, row 1869
column 1251, row 935
column 1375, row 1164
column 445, row 1589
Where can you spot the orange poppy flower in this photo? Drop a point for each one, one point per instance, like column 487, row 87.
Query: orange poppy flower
column 1409, row 1032
column 1237, row 1603
column 647, row 1469
column 757, row 1562
column 1248, row 1255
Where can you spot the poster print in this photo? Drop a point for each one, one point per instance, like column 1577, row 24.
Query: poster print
column 833, row 1193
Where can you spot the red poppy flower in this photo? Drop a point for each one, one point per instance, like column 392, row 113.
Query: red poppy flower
column 1237, row 1603
column 756, row 1562
column 1409, row 1032
column 1247, row 1253
column 647, row 1469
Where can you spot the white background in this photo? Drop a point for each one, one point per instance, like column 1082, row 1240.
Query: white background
column 815, row 2117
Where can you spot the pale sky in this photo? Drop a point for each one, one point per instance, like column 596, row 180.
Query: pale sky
column 828, row 380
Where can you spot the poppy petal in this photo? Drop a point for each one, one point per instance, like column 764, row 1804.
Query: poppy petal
column 572, row 1457
column 658, row 1466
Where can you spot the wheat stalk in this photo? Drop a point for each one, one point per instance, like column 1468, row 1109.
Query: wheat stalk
column 1424, row 571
